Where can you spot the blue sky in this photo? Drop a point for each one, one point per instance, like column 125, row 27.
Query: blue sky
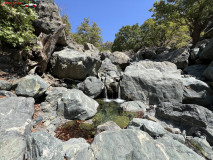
column 110, row 15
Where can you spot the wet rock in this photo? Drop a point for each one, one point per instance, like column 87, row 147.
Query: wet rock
column 152, row 82
column 5, row 85
column 72, row 64
column 196, row 70
column 197, row 92
column 92, row 87
column 42, row 146
column 31, row 86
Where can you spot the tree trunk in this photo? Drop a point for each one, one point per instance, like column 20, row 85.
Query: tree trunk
column 47, row 45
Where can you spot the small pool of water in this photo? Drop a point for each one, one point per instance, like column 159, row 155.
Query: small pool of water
column 107, row 111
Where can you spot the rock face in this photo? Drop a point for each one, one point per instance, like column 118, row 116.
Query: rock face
column 208, row 73
column 152, row 82
column 133, row 144
column 108, row 126
column 134, row 106
column 7, row 94
column 207, row 53
column 71, row 104
column 92, row 87
column 73, row 65
column 152, row 128
column 185, row 114
column 31, row 86
column 42, row 146
column 197, row 92
column 179, row 57
column 49, row 20
column 120, row 58
column 16, row 123
column 5, row 85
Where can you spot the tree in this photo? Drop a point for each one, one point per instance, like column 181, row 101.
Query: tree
column 128, row 37
column 196, row 14
column 16, row 25
column 88, row 34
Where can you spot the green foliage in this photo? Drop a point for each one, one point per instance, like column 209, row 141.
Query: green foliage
column 65, row 20
column 16, row 25
column 153, row 33
column 88, row 34
column 196, row 14
column 128, row 37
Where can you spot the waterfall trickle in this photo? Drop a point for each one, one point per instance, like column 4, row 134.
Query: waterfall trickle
column 119, row 100
column 106, row 96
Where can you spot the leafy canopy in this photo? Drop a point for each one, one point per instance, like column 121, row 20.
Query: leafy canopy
column 16, row 25
column 195, row 14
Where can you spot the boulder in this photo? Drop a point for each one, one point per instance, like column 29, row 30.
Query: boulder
column 152, row 128
column 108, row 126
column 209, row 30
column 196, row 70
column 92, row 87
column 91, row 50
column 48, row 20
column 71, row 104
column 120, row 58
column 133, row 144
column 134, row 106
column 107, row 67
column 105, row 54
column 190, row 115
column 73, row 147
column 197, row 92
column 202, row 146
column 16, row 115
column 30, row 86
column 146, row 54
column 72, row 64
column 42, row 146
column 207, row 53
column 195, row 53
column 208, row 73
column 152, row 82
column 5, row 85
column 179, row 57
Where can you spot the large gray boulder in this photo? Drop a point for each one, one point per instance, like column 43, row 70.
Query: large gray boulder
column 108, row 126
column 42, row 146
column 120, row 58
column 71, row 104
column 152, row 82
column 138, row 145
column 30, row 86
column 15, row 124
column 73, row 65
column 152, row 128
column 134, row 106
column 185, row 114
column 16, row 115
column 49, row 20
column 207, row 53
column 92, row 87
column 197, row 92
column 5, row 85
column 179, row 57
column 208, row 73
